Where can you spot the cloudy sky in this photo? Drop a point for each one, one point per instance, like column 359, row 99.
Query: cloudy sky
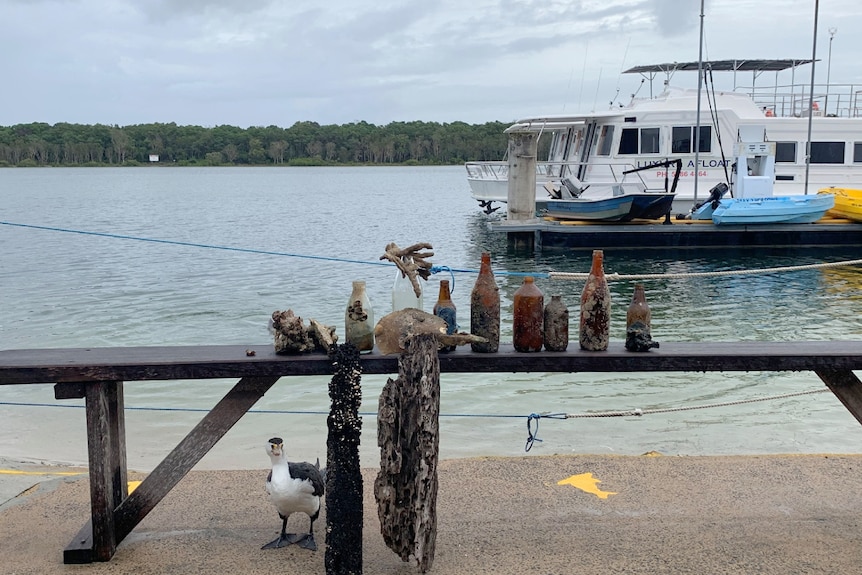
column 276, row 62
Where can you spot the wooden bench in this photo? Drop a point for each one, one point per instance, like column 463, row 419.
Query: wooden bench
column 98, row 375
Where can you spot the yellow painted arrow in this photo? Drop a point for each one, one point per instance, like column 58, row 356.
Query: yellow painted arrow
column 586, row 483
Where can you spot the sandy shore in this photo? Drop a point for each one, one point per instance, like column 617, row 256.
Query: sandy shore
column 704, row 515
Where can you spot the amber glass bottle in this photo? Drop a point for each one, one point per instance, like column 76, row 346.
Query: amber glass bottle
column 485, row 308
column 639, row 309
column 445, row 309
column 528, row 317
column 359, row 319
column 556, row 324
column 595, row 320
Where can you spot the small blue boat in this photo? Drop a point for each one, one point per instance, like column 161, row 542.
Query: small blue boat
column 620, row 208
column 772, row 210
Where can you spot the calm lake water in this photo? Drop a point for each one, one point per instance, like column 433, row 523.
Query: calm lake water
column 234, row 244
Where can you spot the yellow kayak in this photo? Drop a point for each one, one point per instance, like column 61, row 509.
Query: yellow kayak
column 848, row 203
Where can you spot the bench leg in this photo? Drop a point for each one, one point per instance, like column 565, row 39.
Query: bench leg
column 846, row 387
column 106, row 446
column 189, row 451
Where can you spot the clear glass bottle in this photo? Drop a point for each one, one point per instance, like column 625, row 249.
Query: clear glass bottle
column 528, row 317
column 445, row 309
column 359, row 319
column 485, row 308
column 556, row 322
column 403, row 295
column 595, row 321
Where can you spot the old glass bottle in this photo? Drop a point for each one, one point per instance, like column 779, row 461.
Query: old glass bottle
column 556, row 324
column 528, row 317
column 403, row 295
column 638, row 309
column 359, row 319
column 445, row 309
column 638, row 320
column 595, row 321
column 485, row 308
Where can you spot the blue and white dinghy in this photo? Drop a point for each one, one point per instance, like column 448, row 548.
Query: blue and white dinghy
column 772, row 210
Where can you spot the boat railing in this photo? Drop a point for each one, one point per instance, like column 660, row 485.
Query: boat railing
column 795, row 100
column 596, row 171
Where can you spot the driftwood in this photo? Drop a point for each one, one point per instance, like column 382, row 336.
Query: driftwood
column 344, row 514
column 408, row 436
column 411, row 262
column 293, row 336
column 394, row 330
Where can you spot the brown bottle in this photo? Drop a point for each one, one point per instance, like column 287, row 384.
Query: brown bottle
column 485, row 308
column 556, row 324
column 445, row 309
column 528, row 317
column 595, row 308
column 638, row 317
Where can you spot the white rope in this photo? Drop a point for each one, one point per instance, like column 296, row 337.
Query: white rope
column 617, row 277
column 639, row 412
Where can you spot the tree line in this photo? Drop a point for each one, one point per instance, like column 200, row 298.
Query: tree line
column 304, row 143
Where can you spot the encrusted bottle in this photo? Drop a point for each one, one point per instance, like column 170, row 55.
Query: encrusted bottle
column 528, row 317
column 595, row 323
column 359, row 319
column 638, row 318
column 485, row 308
column 556, row 322
column 445, row 309
column 403, row 295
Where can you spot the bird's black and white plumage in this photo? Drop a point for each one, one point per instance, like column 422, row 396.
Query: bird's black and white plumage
column 293, row 488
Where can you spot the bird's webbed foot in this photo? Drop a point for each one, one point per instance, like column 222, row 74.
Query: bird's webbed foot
column 306, row 541
column 283, row 540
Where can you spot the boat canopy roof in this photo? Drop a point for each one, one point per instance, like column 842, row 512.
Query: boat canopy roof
column 721, row 66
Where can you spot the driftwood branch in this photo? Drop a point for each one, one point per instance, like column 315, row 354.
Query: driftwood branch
column 394, row 331
column 411, row 262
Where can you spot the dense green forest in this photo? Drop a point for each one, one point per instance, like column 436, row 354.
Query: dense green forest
column 304, row 143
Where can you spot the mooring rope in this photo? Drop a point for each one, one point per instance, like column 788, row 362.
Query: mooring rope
column 535, row 417
column 438, row 269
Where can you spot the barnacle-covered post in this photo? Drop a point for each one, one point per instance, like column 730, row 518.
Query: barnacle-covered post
column 408, row 436
column 344, row 515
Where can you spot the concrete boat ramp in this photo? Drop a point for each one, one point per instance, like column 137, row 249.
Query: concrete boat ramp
column 560, row 514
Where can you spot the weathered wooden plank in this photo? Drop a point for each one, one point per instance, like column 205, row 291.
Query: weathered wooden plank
column 189, row 451
column 408, row 434
column 211, row 362
column 846, row 387
column 99, row 447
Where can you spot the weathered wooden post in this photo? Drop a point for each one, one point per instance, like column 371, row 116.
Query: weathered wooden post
column 408, row 436
column 344, row 514
column 521, row 202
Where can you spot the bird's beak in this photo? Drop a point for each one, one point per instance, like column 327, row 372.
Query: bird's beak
column 276, row 448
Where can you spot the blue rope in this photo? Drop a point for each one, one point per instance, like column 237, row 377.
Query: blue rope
column 434, row 269
column 531, row 433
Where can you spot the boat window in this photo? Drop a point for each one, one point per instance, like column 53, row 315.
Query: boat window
column 629, row 141
column 681, row 140
column 605, row 140
column 649, row 140
column 785, row 152
column 705, row 140
column 827, row 152
column 857, row 152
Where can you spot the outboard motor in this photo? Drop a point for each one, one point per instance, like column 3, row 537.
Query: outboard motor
column 698, row 211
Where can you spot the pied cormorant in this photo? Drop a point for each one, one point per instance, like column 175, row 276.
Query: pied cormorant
column 293, row 488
